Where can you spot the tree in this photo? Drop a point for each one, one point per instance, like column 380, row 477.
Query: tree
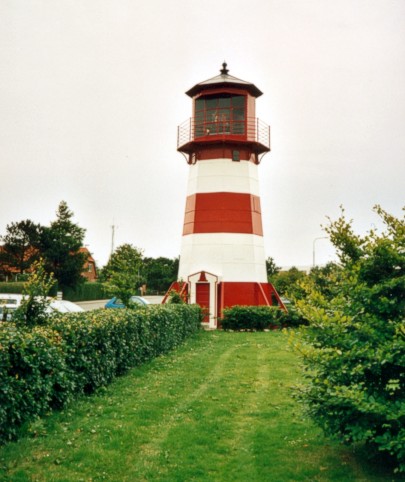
column 287, row 282
column 160, row 273
column 123, row 273
column 354, row 346
column 20, row 246
column 326, row 279
column 271, row 268
column 60, row 244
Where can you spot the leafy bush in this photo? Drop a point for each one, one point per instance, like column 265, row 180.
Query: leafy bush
column 293, row 318
column 175, row 298
column 77, row 353
column 33, row 375
column 354, row 346
column 252, row 318
column 33, row 308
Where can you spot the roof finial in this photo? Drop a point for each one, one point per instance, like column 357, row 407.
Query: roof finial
column 224, row 70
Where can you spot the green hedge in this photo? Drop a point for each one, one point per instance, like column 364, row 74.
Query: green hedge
column 259, row 318
column 251, row 318
column 77, row 353
column 84, row 292
column 14, row 287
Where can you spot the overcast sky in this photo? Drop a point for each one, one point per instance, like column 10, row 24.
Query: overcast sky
column 92, row 91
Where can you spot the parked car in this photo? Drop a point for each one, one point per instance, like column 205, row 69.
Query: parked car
column 287, row 303
column 8, row 304
column 64, row 306
column 117, row 303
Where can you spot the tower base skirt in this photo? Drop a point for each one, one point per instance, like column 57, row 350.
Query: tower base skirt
column 214, row 296
column 246, row 294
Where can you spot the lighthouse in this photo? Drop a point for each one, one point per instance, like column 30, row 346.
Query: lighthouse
column 222, row 259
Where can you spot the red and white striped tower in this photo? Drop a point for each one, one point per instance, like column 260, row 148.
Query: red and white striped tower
column 222, row 256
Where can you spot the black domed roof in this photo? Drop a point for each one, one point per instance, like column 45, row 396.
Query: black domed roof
column 224, row 80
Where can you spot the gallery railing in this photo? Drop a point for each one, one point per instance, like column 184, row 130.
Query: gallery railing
column 251, row 129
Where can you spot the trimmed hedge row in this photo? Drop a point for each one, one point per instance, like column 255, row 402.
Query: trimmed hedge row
column 84, row 292
column 77, row 353
column 15, row 287
column 259, row 318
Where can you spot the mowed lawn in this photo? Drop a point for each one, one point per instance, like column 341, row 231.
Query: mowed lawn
column 217, row 409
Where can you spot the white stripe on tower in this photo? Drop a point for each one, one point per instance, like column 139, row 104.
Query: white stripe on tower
column 232, row 257
column 222, row 228
column 223, row 175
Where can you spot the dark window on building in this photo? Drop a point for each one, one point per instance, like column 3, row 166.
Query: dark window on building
column 223, row 114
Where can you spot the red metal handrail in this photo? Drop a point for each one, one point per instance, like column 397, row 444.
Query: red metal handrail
column 252, row 129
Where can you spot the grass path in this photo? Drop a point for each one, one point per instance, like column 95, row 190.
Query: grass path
column 217, row 409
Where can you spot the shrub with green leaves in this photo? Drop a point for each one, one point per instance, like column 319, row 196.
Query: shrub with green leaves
column 33, row 375
column 252, row 318
column 354, row 346
column 293, row 318
column 77, row 353
column 33, row 308
column 175, row 298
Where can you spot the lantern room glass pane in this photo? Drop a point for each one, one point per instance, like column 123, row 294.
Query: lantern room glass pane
column 199, row 123
column 238, row 101
column 199, row 104
column 224, row 102
column 220, row 114
column 211, row 102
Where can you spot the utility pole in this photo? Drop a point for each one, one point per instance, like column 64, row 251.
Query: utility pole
column 313, row 248
column 112, row 237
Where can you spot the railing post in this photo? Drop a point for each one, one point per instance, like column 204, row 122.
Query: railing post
column 268, row 128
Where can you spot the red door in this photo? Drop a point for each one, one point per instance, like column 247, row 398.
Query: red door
column 203, row 298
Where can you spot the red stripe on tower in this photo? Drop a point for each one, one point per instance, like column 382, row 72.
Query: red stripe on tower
column 223, row 212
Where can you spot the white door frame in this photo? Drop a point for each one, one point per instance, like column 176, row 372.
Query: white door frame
column 212, row 279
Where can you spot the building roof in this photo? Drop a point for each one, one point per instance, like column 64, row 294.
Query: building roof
column 224, row 80
column 89, row 258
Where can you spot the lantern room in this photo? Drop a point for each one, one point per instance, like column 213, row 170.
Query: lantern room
column 224, row 111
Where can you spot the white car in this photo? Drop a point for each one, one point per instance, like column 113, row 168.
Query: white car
column 9, row 302
column 64, row 306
